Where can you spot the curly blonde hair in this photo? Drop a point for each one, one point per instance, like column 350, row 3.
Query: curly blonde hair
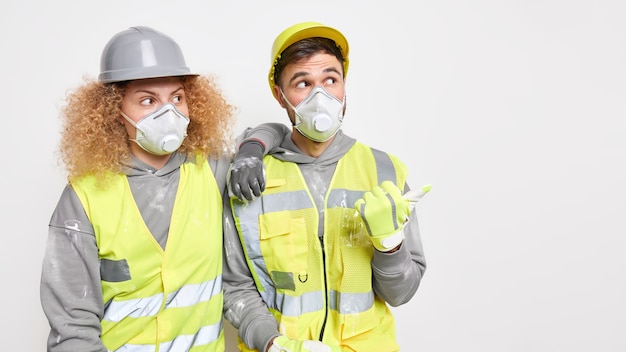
column 95, row 142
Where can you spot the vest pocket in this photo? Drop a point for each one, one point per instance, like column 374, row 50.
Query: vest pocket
column 284, row 248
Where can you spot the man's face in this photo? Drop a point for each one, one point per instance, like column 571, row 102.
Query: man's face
column 299, row 78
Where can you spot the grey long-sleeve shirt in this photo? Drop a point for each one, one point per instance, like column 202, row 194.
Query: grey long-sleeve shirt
column 71, row 290
column 396, row 276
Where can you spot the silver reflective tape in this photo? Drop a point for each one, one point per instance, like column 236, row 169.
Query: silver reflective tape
column 293, row 200
column 343, row 198
column 248, row 215
column 182, row 343
column 297, row 305
column 350, row 303
column 186, row 296
column 384, row 166
column 135, row 308
column 191, row 294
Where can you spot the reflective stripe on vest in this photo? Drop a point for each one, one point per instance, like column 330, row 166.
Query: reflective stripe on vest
column 304, row 291
column 186, row 296
column 182, row 343
column 154, row 299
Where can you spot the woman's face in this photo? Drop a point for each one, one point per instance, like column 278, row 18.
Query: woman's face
column 147, row 95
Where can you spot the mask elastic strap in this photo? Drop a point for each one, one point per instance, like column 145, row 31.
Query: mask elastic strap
column 128, row 119
column 297, row 118
column 136, row 129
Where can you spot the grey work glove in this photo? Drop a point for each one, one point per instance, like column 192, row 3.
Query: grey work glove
column 246, row 178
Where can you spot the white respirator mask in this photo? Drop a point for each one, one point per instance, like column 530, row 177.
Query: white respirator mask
column 318, row 116
column 160, row 132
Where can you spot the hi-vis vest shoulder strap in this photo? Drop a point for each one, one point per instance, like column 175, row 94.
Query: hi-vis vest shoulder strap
column 319, row 292
column 160, row 300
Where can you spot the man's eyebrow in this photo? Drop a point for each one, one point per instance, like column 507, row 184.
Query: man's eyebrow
column 298, row 75
column 304, row 73
column 332, row 69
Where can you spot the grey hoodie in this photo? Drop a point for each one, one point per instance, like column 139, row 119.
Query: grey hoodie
column 396, row 276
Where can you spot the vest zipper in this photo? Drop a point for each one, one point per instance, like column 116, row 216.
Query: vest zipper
column 321, row 338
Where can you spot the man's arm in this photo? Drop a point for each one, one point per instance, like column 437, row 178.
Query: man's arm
column 397, row 275
column 270, row 135
column 243, row 306
column 246, row 179
column 398, row 263
column 70, row 291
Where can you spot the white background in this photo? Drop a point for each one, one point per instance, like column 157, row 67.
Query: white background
column 513, row 110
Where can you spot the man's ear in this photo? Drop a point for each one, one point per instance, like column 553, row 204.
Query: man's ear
column 279, row 97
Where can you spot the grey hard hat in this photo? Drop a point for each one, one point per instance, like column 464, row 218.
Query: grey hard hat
column 141, row 52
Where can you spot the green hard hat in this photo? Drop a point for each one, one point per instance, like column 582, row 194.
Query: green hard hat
column 141, row 52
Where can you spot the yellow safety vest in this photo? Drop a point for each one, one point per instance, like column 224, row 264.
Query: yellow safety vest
column 170, row 300
column 312, row 291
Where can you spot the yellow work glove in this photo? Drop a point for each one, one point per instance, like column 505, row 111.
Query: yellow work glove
column 384, row 211
column 285, row 344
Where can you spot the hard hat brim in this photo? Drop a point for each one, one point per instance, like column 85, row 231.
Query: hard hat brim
column 132, row 75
